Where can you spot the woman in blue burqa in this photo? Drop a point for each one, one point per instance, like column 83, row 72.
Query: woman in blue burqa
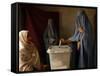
column 83, row 37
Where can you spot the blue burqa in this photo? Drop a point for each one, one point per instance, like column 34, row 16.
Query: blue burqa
column 85, row 38
column 50, row 34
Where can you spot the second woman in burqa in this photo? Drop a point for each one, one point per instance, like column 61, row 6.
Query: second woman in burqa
column 83, row 37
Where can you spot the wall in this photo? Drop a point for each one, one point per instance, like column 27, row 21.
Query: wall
column 67, row 18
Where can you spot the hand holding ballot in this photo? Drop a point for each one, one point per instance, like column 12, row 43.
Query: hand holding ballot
column 65, row 42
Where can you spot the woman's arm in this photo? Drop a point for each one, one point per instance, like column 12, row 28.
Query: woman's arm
column 78, row 44
column 65, row 42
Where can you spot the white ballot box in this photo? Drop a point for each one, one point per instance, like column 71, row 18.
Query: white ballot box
column 59, row 57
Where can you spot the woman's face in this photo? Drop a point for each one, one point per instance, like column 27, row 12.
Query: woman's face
column 29, row 39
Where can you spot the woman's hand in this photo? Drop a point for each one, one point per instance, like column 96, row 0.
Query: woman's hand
column 78, row 45
column 62, row 40
column 65, row 41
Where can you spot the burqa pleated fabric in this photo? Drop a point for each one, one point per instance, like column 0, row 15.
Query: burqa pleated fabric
column 85, row 38
column 50, row 34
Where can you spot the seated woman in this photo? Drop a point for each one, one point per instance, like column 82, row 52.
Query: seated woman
column 29, row 59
